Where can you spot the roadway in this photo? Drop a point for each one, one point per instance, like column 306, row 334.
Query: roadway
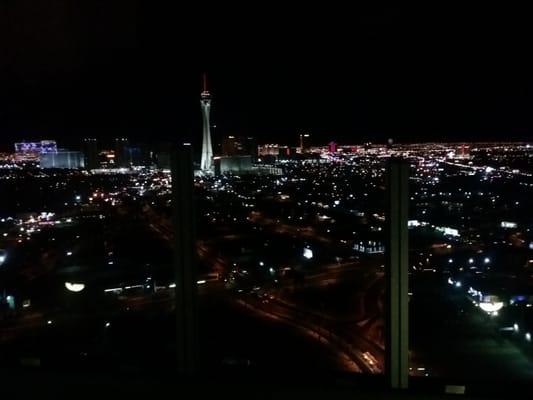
column 347, row 335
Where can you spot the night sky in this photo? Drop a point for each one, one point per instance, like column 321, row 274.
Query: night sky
column 123, row 67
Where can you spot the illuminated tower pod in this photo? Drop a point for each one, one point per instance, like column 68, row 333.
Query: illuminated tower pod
column 206, row 163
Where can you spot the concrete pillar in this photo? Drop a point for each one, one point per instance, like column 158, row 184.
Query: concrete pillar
column 184, row 259
column 396, row 253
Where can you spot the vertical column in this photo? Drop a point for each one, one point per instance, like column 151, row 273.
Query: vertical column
column 397, row 330
column 184, row 259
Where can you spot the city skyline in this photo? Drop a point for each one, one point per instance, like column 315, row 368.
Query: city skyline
column 347, row 200
column 290, row 247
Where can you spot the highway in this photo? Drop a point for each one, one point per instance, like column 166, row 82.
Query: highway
column 347, row 335
column 348, row 343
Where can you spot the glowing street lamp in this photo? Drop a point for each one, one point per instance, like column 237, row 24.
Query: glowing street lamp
column 74, row 287
column 490, row 307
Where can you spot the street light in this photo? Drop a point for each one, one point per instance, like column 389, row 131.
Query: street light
column 74, row 287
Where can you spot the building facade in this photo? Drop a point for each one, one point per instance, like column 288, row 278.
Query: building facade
column 63, row 160
column 121, row 156
column 90, row 151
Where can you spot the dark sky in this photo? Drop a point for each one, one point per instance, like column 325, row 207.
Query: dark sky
column 124, row 67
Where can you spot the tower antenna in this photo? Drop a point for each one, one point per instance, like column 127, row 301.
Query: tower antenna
column 205, row 81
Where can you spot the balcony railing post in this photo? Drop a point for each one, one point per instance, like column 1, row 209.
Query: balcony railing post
column 184, row 259
column 397, row 332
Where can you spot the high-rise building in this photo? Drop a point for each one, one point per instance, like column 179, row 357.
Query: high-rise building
column 138, row 155
column 162, row 155
column 240, row 164
column 63, row 159
column 206, row 163
column 229, row 146
column 304, row 142
column 269, row 149
column 249, row 146
column 31, row 151
column 90, row 151
column 121, row 157
column 239, row 145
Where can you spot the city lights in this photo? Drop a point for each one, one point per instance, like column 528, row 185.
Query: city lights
column 259, row 196
column 74, row 287
column 490, row 307
column 269, row 243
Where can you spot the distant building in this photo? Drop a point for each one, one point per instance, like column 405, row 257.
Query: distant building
column 163, row 160
column 229, row 146
column 304, row 142
column 249, row 145
column 279, row 151
column 63, row 159
column 137, row 156
column 239, row 145
column 90, row 151
column 233, row 165
column 31, row 151
column 267, row 170
column 107, row 159
column 286, row 152
column 461, row 152
column 268, row 149
column 121, row 158
column 162, row 155
column 369, row 247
